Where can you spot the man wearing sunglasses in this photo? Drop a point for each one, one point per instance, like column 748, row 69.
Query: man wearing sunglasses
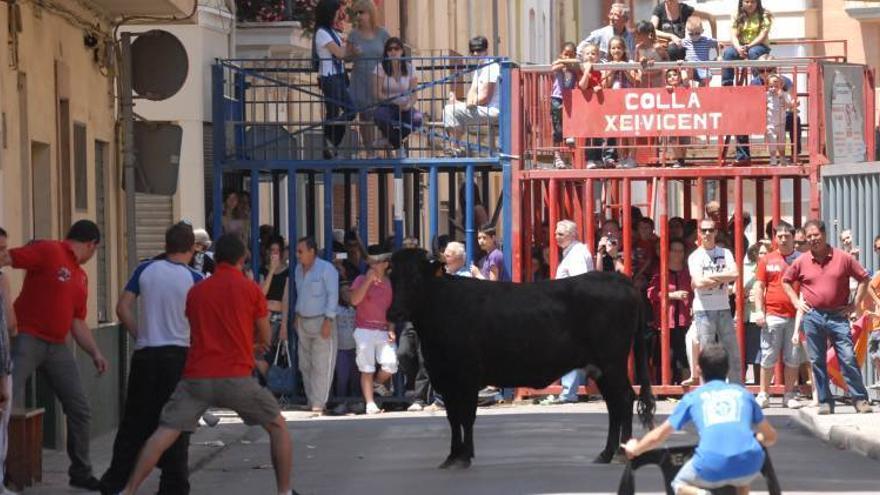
column 482, row 101
column 713, row 269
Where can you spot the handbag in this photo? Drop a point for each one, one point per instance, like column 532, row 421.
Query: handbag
column 281, row 379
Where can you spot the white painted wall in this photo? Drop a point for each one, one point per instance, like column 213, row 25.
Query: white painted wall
column 205, row 40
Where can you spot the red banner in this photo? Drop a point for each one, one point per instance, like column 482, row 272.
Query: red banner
column 634, row 112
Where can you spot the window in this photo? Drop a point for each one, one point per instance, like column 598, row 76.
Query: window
column 80, row 173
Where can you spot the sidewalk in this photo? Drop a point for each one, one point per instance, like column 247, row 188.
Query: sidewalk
column 205, row 444
column 844, row 429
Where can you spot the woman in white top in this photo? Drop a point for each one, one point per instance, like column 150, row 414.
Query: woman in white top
column 328, row 58
column 395, row 83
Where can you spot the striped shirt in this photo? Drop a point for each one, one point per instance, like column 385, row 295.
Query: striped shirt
column 698, row 50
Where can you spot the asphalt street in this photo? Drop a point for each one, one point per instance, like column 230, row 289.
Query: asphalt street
column 521, row 450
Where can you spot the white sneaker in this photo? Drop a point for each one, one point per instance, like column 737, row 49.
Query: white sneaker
column 558, row 162
column 569, row 141
column 593, row 164
column 415, row 407
column 791, row 402
column 381, row 390
column 627, row 163
column 372, row 408
column 762, row 400
column 774, row 161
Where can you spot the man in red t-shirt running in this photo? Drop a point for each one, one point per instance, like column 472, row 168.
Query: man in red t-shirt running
column 52, row 304
column 226, row 313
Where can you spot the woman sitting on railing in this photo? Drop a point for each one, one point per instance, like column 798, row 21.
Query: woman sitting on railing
column 395, row 83
column 750, row 35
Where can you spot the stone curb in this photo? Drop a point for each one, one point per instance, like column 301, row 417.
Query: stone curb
column 840, row 436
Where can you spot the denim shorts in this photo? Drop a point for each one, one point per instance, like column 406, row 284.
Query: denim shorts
column 687, row 476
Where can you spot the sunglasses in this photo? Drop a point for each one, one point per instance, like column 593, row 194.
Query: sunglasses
column 395, row 48
column 707, row 231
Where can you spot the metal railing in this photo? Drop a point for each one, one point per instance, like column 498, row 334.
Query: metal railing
column 277, row 110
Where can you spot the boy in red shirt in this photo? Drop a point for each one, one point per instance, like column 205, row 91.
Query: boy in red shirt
column 226, row 312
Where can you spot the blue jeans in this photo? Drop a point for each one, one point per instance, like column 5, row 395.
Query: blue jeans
column 730, row 53
column 570, row 383
column 337, row 106
column 395, row 123
column 819, row 327
column 727, row 76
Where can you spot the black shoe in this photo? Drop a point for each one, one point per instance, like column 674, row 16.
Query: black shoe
column 91, row 484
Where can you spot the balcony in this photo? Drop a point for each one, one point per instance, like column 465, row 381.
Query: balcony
column 273, row 28
column 118, row 8
column 864, row 10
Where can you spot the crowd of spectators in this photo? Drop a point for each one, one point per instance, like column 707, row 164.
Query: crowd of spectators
column 701, row 293
column 674, row 33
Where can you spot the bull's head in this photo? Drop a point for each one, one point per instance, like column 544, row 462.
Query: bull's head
column 410, row 270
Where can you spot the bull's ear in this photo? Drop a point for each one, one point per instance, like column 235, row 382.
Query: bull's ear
column 436, row 267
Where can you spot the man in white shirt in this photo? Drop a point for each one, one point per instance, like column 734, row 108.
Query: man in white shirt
column 712, row 269
column 576, row 260
column 482, row 101
column 161, row 334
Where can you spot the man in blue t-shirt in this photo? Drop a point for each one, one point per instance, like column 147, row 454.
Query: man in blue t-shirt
column 729, row 452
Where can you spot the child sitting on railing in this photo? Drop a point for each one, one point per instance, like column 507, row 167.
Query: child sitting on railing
column 565, row 76
column 698, row 49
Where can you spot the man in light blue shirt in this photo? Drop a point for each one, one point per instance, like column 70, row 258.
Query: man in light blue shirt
column 317, row 295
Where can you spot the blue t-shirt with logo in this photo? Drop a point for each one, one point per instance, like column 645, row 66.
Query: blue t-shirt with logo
column 723, row 415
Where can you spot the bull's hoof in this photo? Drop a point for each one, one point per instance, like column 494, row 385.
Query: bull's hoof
column 455, row 463
column 619, row 457
column 603, row 458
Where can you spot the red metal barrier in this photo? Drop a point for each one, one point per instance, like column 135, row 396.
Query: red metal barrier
column 550, row 195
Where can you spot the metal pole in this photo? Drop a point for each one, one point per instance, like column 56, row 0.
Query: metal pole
column 496, row 40
column 128, row 158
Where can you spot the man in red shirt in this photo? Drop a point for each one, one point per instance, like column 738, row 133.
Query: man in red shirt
column 775, row 314
column 824, row 275
column 52, row 304
column 226, row 313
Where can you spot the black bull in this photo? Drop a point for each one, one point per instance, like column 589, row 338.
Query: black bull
column 476, row 333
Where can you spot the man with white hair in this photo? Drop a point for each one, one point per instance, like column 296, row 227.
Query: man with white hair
column 576, row 260
column 618, row 17
column 454, row 255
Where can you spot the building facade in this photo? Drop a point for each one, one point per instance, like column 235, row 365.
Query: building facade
column 59, row 159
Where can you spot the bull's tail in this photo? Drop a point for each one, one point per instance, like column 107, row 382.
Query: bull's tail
column 643, row 376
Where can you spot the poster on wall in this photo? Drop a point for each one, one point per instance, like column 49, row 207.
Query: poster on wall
column 845, row 113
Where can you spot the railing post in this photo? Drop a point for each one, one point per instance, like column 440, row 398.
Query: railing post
column 434, row 206
column 469, row 214
column 552, row 218
column 363, row 207
column 509, row 78
column 665, row 361
column 255, row 222
column 218, row 131
column 399, row 230
column 739, row 254
column 328, row 214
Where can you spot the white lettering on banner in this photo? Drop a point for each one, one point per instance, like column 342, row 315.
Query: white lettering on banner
column 639, row 123
column 655, row 101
